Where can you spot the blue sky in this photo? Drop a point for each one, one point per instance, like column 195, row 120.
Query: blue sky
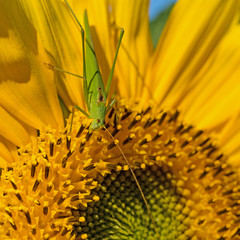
column 157, row 6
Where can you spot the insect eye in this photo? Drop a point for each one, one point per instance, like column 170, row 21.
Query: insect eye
column 98, row 120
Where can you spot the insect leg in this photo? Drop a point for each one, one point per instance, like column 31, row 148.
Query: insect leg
column 107, row 88
column 73, row 110
column 109, row 106
column 137, row 183
column 50, row 66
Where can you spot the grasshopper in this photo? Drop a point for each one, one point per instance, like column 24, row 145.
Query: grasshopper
column 95, row 94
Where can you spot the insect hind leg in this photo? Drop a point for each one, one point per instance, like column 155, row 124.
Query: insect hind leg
column 137, row 183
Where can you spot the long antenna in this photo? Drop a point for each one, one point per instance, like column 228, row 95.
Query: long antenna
column 137, row 182
column 52, row 67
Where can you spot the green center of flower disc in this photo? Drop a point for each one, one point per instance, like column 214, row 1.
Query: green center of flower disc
column 121, row 213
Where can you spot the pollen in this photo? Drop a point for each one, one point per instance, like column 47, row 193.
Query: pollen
column 82, row 219
column 77, row 185
column 84, row 236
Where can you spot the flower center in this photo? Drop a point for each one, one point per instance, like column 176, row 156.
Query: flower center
column 121, row 213
column 78, row 184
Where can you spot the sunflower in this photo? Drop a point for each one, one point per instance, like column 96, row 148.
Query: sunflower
column 176, row 120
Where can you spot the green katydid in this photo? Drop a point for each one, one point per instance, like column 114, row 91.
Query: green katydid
column 95, row 94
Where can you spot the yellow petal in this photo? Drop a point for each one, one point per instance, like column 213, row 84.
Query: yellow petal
column 12, row 130
column 27, row 87
column 229, row 139
column 61, row 37
column 8, row 152
column 136, row 48
column 215, row 97
column 191, row 34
